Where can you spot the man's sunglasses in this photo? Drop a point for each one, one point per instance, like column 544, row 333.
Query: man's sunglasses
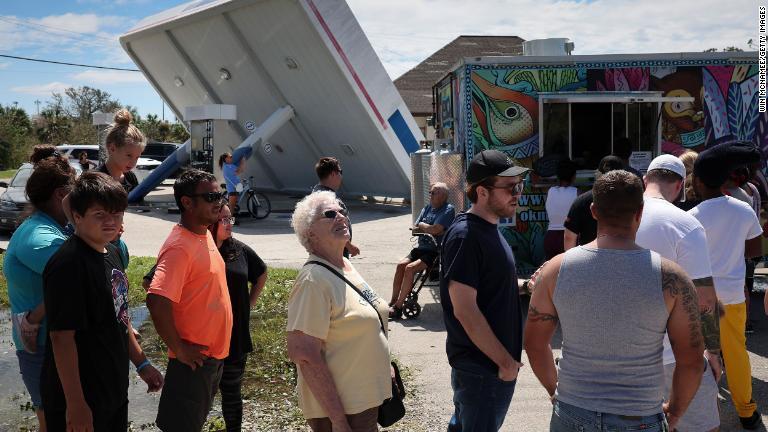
column 210, row 197
column 331, row 214
column 516, row 188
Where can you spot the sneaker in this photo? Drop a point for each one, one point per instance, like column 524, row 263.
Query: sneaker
column 752, row 422
column 27, row 331
column 395, row 313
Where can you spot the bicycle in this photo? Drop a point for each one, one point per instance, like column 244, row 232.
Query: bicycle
column 257, row 204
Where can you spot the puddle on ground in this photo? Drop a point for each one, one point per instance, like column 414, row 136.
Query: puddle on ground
column 15, row 405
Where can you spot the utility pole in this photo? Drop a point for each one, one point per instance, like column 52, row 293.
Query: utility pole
column 37, row 102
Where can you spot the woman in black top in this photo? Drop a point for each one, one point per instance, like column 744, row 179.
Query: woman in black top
column 124, row 143
column 242, row 266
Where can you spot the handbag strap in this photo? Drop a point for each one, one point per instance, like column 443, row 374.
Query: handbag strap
column 341, row 276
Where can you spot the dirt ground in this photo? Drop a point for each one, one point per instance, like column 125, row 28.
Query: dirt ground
column 382, row 235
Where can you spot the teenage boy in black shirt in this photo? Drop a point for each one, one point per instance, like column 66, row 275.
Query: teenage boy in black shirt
column 84, row 382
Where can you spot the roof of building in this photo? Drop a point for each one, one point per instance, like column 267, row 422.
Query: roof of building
column 415, row 86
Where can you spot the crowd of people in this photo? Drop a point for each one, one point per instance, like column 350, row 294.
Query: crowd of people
column 646, row 277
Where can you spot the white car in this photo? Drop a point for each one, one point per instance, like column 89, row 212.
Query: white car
column 142, row 169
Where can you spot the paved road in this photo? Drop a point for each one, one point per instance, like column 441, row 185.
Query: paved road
column 381, row 233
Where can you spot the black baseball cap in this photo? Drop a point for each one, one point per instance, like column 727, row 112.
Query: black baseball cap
column 489, row 163
column 713, row 165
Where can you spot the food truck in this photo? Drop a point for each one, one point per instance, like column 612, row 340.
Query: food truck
column 542, row 108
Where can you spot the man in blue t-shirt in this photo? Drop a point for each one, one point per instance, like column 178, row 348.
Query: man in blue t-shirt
column 432, row 222
column 480, row 298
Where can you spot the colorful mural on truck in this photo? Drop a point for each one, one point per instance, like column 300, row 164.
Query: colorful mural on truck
column 501, row 109
column 505, row 116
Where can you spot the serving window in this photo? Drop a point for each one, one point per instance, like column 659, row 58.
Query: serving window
column 588, row 126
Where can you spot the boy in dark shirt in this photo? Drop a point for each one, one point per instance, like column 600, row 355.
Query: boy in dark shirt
column 84, row 382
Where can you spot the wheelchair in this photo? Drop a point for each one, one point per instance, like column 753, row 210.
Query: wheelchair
column 411, row 306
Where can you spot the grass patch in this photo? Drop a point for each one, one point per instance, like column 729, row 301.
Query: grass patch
column 137, row 268
column 7, row 174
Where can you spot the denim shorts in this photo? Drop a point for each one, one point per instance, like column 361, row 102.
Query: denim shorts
column 569, row 418
column 31, row 366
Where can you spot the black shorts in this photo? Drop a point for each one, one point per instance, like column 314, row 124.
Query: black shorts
column 187, row 395
column 427, row 257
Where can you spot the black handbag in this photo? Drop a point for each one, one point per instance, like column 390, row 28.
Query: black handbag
column 392, row 409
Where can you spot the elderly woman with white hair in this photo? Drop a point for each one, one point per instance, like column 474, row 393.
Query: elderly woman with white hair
column 336, row 326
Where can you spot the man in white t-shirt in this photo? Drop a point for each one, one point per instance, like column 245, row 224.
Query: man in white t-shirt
column 679, row 237
column 733, row 233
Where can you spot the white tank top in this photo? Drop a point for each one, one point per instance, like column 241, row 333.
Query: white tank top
column 559, row 200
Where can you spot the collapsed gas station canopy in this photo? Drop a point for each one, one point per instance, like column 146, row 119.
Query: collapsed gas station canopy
column 264, row 55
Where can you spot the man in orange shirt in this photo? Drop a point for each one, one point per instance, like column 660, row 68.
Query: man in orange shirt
column 190, row 307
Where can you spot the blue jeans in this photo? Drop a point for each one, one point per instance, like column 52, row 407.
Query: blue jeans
column 30, row 367
column 480, row 401
column 568, row 418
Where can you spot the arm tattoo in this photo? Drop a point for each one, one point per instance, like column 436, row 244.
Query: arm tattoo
column 679, row 286
column 535, row 316
column 710, row 319
column 710, row 329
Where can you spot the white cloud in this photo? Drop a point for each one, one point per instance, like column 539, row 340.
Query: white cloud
column 4, row 65
column 100, row 76
column 79, row 23
column 405, row 32
column 42, row 89
column 66, row 34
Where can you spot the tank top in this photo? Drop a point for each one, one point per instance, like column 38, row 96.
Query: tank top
column 613, row 318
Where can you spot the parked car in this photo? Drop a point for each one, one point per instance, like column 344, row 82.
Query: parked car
column 14, row 200
column 159, row 150
column 142, row 169
column 72, row 151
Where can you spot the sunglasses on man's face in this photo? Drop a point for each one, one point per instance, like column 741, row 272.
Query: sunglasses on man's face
column 210, row 197
column 331, row 214
column 515, row 189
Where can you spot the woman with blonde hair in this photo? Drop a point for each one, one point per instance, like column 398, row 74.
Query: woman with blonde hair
column 124, row 143
column 688, row 158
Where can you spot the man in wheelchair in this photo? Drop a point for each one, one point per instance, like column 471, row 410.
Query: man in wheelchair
column 432, row 222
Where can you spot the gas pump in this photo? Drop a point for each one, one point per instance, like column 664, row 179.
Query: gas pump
column 203, row 122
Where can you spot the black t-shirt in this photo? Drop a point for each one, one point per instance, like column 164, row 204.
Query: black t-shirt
column 87, row 291
column 476, row 254
column 580, row 219
column 242, row 266
column 129, row 179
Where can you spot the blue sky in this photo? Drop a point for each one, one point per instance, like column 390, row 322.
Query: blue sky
column 403, row 33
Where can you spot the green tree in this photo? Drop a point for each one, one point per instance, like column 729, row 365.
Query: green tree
column 54, row 125
column 178, row 133
column 727, row 49
column 81, row 102
column 16, row 136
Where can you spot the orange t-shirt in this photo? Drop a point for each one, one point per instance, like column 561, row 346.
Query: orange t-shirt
column 190, row 272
